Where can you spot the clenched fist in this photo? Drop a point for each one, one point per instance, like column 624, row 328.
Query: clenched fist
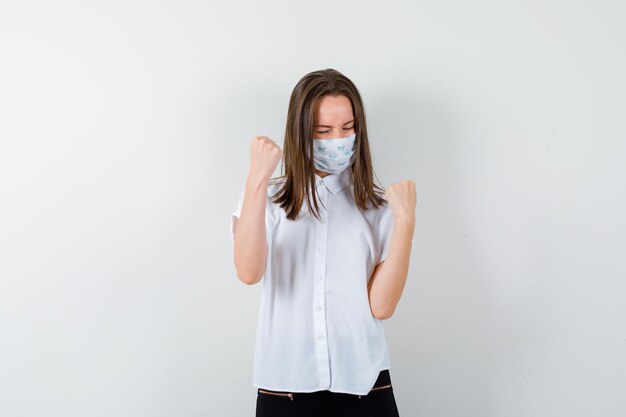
column 402, row 199
column 264, row 157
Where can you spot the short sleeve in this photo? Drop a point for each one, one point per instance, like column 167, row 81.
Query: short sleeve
column 234, row 217
column 385, row 229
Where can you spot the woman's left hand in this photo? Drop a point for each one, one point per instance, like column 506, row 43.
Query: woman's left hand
column 402, row 199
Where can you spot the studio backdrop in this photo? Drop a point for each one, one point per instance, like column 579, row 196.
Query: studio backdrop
column 125, row 131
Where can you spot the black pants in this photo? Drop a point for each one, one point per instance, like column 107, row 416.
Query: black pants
column 377, row 403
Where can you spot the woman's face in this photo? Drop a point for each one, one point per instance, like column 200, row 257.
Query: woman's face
column 333, row 118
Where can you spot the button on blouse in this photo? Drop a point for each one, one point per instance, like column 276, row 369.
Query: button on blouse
column 315, row 329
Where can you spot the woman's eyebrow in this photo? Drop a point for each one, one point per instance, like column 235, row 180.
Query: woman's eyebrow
column 331, row 126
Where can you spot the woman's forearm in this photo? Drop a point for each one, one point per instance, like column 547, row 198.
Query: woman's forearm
column 250, row 253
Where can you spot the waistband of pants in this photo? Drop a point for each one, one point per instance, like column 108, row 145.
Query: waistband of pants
column 383, row 378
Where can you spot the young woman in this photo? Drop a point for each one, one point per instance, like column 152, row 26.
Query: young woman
column 333, row 269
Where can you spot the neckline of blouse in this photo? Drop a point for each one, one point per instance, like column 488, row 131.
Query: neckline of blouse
column 334, row 182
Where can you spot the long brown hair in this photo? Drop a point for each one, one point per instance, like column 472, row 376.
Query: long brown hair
column 298, row 169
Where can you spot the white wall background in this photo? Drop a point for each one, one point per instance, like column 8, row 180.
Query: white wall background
column 125, row 129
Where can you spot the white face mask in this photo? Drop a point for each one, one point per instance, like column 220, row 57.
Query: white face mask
column 334, row 155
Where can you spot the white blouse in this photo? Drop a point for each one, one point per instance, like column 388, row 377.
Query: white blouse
column 315, row 329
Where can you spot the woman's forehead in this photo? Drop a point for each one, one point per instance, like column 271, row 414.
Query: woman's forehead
column 333, row 111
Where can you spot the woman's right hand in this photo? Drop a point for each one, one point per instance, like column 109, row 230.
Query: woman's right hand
column 264, row 157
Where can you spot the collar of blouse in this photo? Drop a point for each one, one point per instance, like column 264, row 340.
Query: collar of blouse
column 334, row 182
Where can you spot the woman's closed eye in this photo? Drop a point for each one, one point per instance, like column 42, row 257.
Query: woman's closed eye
column 327, row 131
